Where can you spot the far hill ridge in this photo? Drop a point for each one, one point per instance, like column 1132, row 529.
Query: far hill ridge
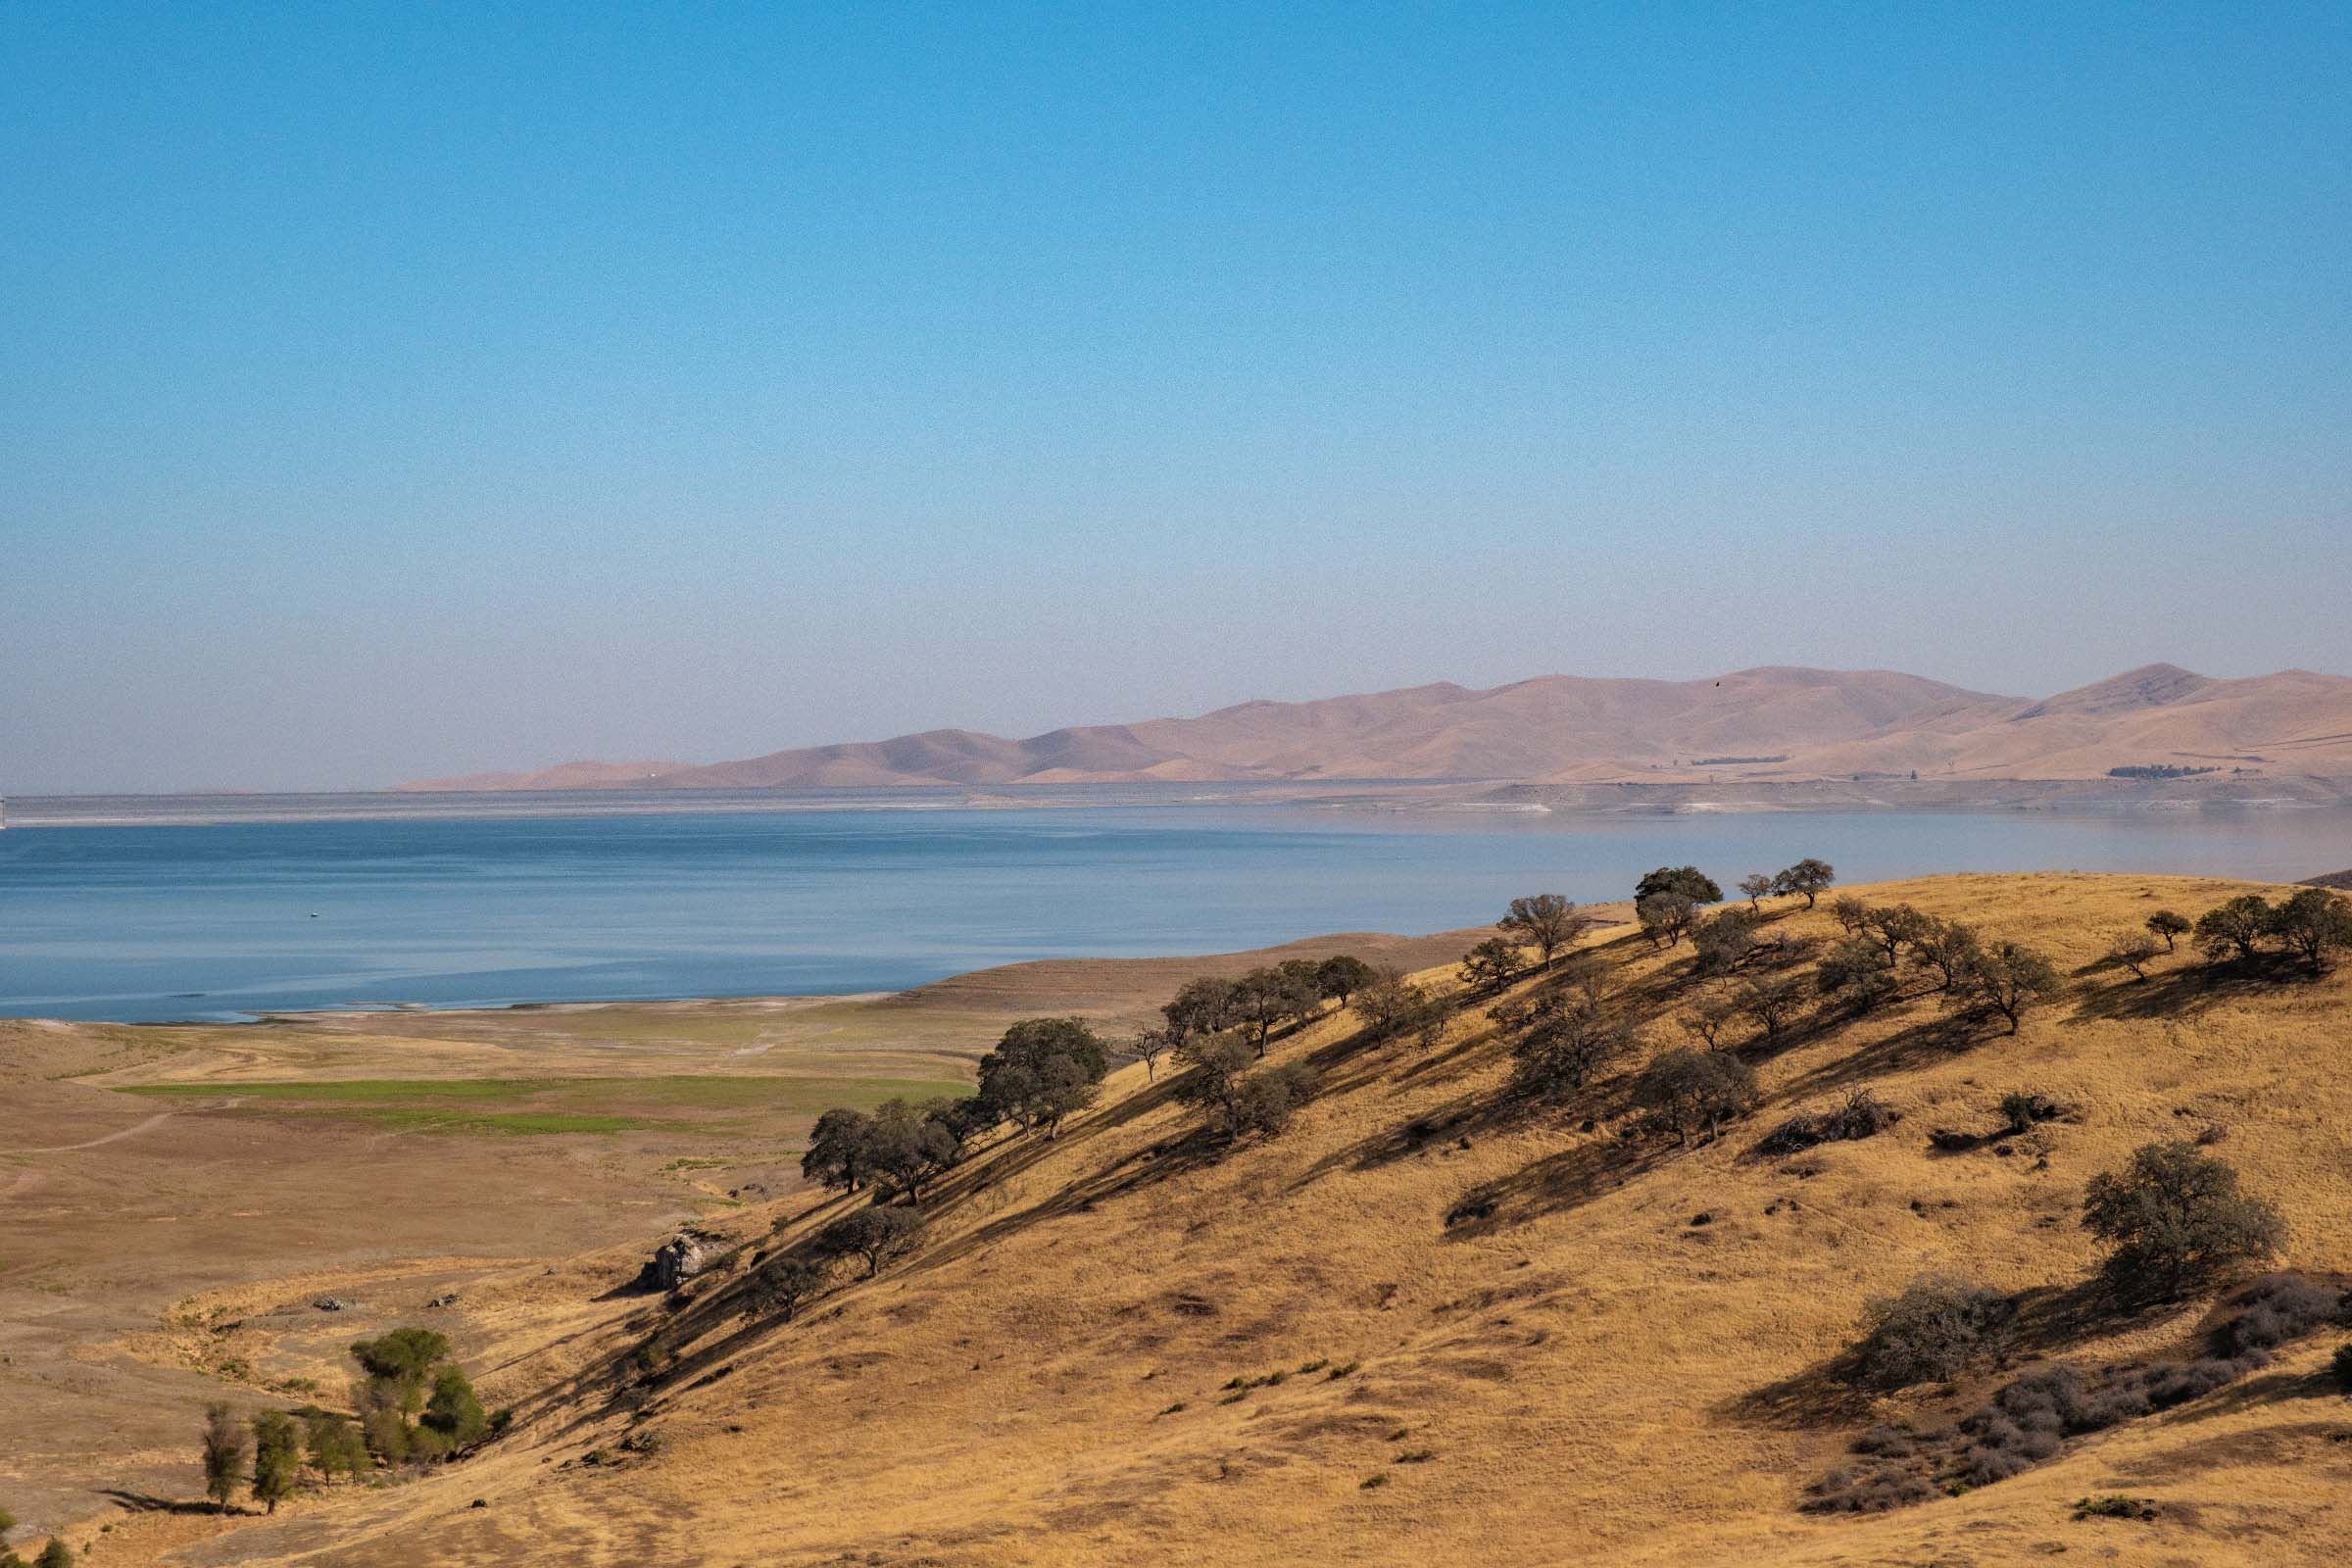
column 1770, row 724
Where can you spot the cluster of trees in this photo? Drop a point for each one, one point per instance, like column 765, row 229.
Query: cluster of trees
column 2312, row 924
column 414, row 1403
column 1042, row 1071
column 879, row 1234
column 1262, row 1001
column 1570, row 1032
column 1732, row 940
column 896, row 1149
column 1668, row 900
column 1545, row 921
column 1566, row 1034
column 56, row 1554
column 1391, row 1003
column 1236, row 1100
column 1974, row 972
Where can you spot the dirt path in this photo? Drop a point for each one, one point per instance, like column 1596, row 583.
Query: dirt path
column 156, row 1120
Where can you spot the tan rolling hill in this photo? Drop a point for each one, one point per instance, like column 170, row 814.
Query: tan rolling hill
column 1432, row 1323
column 562, row 776
column 1774, row 725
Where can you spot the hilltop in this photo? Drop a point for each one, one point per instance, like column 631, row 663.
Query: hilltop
column 1768, row 726
column 1431, row 1319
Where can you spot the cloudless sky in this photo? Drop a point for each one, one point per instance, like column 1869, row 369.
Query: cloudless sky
column 407, row 389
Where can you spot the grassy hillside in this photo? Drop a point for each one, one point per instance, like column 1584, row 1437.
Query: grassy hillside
column 1617, row 1351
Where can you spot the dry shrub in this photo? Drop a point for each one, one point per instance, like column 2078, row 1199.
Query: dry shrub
column 1862, row 1116
column 1933, row 1330
column 2028, row 1419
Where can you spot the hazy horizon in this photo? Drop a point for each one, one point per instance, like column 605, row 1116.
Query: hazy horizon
column 393, row 395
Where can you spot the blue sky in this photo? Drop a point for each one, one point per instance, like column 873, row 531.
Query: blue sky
column 388, row 391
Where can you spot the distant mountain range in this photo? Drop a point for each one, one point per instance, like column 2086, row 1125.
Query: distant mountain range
column 1753, row 725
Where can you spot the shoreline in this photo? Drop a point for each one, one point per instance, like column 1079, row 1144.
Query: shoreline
column 1466, row 797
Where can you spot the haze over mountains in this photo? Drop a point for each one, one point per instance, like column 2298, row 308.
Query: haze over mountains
column 1760, row 725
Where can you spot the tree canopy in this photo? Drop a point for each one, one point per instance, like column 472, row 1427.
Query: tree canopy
column 1043, row 1070
column 223, row 1454
column 1684, row 1091
column 2176, row 1217
column 879, row 1234
column 1688, row 880
column 1808, row 876
column 1545, row 922
column 2235, row 929
column 1341, row 975
column 1492, row 963
column 277, row 1459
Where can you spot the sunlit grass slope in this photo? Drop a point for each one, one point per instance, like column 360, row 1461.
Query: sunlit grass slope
column 1619, row 1360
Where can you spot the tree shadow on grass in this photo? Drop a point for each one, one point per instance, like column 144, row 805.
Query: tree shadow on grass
column 148, row 1502
column 2186, row 991
column 1921, row 1045
column 2050, row 1319
column 1824, row 1394
column 1566, row 1179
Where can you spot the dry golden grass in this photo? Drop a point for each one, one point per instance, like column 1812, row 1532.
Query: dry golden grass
column 387, row 1158
column 1583, row 1376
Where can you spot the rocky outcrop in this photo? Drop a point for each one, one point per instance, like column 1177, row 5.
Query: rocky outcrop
column 676, row 1260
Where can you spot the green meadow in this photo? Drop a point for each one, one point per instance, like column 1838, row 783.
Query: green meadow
column 557, row 1105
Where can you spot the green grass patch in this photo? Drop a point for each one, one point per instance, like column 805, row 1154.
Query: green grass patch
column 358, row 1091
column 792, row 1095
column 525, row 1106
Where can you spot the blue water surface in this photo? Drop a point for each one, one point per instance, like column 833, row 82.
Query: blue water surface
column 226, row 919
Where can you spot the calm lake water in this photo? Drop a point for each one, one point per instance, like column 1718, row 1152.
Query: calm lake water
column 194, row 919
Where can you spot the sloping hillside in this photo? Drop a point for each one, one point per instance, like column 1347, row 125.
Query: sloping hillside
column 1462, row 1325
column 1776, row 725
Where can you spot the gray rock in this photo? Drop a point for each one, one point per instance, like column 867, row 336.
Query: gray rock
column 677, row 1260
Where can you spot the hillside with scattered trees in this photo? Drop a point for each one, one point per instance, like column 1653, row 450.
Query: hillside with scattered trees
column 1801, row 1224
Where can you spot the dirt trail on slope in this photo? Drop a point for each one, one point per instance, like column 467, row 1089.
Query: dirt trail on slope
column 156, row 1120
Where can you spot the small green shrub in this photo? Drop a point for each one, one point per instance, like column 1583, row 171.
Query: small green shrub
column 1371, row 1480
column 2117, row 1507
column 2342, row 1367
